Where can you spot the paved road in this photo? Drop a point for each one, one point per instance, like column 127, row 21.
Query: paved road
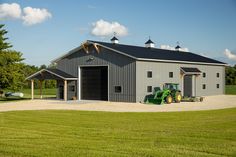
column 209, row 103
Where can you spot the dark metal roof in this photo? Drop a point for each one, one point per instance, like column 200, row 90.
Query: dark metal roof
column 114, row 38
column 138, row 52
column 54, row 74
column 190, row 70
column 149, row 42
column 61, row 73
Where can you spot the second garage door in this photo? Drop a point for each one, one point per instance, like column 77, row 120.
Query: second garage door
column 94, row 83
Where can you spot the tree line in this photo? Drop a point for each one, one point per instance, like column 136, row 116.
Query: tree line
column 230, row 75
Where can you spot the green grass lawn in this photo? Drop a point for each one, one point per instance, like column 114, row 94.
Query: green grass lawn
column 47, row 93
column 230, row 89
column 80, row 133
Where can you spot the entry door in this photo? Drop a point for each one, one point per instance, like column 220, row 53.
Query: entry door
column 188, row 85
column 94, row 83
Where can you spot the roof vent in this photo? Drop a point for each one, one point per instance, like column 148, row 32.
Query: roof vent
column 149, row 43
column 114, row 40
column 177, row 48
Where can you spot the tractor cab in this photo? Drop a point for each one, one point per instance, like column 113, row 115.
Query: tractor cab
column 171, row 86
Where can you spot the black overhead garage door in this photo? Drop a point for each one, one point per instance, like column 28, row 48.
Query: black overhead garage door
column 94, row 83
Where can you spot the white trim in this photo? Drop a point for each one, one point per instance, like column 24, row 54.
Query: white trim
column 117, row 51
column 79, row 80
column 81, row 47
column 191, row 73
column 194, row 84
column 79, row 84
column 27, row 78
column 176, row 61
column 108, row 89
column 51, row 73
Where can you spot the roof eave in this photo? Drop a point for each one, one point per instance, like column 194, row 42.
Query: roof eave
column 176, row 61
column 63, row 78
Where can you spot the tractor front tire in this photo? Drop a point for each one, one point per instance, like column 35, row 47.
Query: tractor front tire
column 178, row 97
column 169, row 99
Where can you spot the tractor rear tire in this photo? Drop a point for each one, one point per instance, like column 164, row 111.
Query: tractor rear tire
column 178, row 97
column 169, row 99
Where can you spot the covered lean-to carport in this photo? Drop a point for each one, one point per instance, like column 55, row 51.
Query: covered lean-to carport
column 52, row 74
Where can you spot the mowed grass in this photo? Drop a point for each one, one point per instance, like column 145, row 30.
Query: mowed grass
column 47, row 93
column 81, row 133
column 230, row 89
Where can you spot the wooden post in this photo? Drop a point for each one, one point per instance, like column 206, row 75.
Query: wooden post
column 32, row 89
column 65, row 90
column 40, row 84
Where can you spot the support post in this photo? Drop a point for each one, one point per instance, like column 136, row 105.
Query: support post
column 32, row 89
column 65, row 90
column 40, row 84
column 183, row 84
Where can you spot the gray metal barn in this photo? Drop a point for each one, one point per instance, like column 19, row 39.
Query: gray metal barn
column 125, row 73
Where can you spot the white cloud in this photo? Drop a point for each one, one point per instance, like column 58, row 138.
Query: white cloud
column 30, row 16
column 35, row 15
column 10, row 11
column 168, row 47
column 230, row 55
column 104, row 28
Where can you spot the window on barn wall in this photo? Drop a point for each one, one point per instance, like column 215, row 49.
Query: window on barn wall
column 149, row 74
column 72, row 88
column 149, row 89
column 217, row 85
column 204, row 86
column 203, row 74
column 217, row 74
column 171, row 74
column 118, row 89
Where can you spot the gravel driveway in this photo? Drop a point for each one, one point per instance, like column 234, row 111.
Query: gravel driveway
column 209, row 103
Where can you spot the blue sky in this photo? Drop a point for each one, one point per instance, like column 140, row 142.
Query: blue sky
column 206, row 27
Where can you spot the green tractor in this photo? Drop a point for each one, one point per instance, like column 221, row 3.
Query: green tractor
column 169, row 94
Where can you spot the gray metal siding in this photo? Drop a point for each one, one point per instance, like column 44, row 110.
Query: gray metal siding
column 70, row 94
column 121, row 70
column 160, row 75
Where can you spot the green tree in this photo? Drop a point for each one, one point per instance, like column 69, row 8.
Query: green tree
column 230, row 75
column 3, row 44
column 11, row 66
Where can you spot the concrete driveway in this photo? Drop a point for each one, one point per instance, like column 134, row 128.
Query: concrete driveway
column 209, row 103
